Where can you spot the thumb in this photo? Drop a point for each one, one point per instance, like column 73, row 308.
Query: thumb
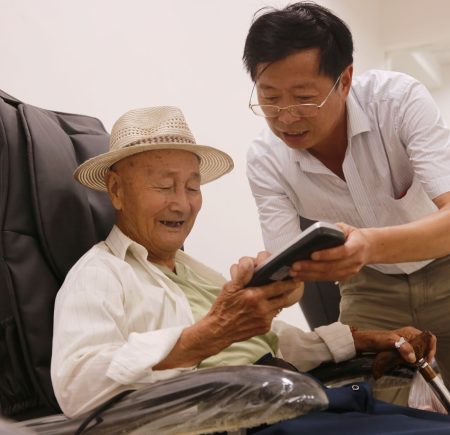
column 407, row 353
column 242, row 272
column 346, row 229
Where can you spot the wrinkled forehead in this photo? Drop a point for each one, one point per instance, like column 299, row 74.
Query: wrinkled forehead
column 165, row 162
column 157, row 158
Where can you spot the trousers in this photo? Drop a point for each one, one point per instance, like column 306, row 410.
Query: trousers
column 374, row 300
column 353, row 410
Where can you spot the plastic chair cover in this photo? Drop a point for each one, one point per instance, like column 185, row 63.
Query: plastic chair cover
column 210, row 400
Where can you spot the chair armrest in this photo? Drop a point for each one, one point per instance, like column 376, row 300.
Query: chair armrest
column 331, row 373
column 208, row 400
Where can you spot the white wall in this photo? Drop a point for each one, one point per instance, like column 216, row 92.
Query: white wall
column 442, row 98
column 104, row 57
column 414, row 23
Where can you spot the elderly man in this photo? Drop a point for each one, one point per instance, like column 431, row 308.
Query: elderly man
column 136, row 309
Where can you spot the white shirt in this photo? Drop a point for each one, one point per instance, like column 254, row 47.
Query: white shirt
column 397, row 160
column 117, row 316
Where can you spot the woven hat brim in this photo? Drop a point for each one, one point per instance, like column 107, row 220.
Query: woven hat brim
column 213, row 162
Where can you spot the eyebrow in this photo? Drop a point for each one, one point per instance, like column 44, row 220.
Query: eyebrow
column 195, row 175
column 307, row 85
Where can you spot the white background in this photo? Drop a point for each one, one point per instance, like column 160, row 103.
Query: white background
column 104, row 57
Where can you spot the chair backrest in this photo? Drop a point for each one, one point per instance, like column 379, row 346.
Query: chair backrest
column 47, row 222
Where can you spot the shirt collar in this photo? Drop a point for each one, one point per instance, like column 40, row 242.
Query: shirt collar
column 357, row 121
column 119, row 244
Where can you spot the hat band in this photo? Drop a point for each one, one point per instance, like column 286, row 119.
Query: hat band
column 161, row 140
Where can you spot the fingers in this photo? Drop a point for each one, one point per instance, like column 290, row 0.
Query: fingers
column 290, row 297
column 405, row 349
column 282, row 289
column 332, row 254
column 432, row 352
column 242, row 272
column 286, row 299
column 262, row 256
column 346, row 229
column 324, row 270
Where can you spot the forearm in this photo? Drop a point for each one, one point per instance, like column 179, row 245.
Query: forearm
column 80, row 383
column 196, row 343
column 423, row 239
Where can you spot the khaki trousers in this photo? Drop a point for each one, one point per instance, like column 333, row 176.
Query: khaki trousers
column 374, row 300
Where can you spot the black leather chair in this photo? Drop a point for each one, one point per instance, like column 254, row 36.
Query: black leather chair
column 47, row 222
column 43, row 233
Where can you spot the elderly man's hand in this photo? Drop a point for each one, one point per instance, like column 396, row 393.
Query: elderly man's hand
column 375, row 341
column 240, row 313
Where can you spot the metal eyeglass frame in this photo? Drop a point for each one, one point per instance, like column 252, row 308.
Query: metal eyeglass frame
column 291, row 108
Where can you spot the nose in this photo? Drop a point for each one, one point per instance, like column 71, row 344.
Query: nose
column 285, row 116
column 179, row 201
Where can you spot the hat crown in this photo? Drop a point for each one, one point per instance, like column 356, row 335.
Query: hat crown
column 153, row 125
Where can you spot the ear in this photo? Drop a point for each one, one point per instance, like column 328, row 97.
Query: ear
column 346, row 79
column 114, row 185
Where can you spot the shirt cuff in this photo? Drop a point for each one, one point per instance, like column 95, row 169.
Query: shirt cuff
column 339, row 340
column 133, row 362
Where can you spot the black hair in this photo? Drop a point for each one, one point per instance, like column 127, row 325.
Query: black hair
column 278, row 33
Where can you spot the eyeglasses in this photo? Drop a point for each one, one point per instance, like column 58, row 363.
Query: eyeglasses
column 306, row 110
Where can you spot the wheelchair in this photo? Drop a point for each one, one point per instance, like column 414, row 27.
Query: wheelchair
column 47, row 222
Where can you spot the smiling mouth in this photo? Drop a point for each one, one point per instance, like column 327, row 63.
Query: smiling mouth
column 295, row 134
column 172, row 224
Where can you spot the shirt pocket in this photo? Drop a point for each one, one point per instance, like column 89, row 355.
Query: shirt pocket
column 409, row 206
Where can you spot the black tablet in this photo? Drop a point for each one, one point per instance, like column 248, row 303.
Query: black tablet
column 320, row 235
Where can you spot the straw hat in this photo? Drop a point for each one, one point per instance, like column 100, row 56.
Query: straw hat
column 152, row 128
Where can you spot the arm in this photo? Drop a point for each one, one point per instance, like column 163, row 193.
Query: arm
column 95, row 355
column 278, row 216
column 338, row 342
column 427, row 139
column 426, row 238
column 423, row 239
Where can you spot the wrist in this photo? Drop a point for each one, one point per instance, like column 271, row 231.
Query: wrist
column 211, row 337
column 381, row 247
column 373, row 246
column 361, row 340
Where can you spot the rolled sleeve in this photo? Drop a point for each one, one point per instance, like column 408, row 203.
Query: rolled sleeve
column 133, row 362
column 307, row 350
column 339, row 341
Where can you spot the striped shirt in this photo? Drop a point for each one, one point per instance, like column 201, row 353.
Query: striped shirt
column 397, row 161
column 117, row 316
